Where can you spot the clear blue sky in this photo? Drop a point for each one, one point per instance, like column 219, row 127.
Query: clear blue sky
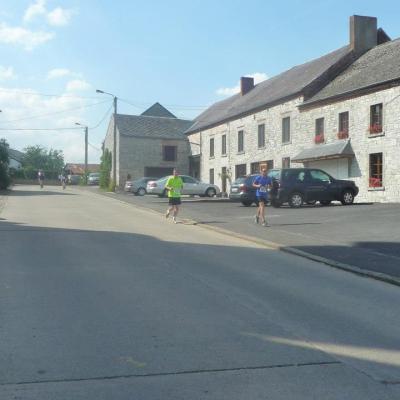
column 183, row 54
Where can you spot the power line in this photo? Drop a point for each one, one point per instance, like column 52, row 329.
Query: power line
column 39, row 129
column 55, row 113
column 48, row 95
column 105, row 116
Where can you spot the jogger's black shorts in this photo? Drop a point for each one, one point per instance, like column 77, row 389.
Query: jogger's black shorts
column 174, row 201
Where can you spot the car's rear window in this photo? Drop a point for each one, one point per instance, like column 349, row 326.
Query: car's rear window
column 239, row 181
column 275, row 173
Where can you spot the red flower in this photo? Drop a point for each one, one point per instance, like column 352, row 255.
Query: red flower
column 375, row 182
column 343, row 134
column 319, row 138
column 375, row 128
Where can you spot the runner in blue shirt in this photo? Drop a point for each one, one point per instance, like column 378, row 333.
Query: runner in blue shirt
column 263, row 183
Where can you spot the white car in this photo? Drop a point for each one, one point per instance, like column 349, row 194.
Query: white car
column 191, row 186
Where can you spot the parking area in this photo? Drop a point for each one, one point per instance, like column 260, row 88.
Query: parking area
column 366, row 236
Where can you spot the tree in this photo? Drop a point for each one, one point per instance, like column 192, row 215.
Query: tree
column 37, row 157
column 4, row 161
column 105, row 169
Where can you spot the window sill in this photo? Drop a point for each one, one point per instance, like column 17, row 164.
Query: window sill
column 261, row 148
column 376, row 189
column 286, row 143
column 224, row 155
column 240, row 152
column 374, row 135
column 211, row 158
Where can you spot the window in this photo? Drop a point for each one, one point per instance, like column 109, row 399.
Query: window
column 223, row 145
column 270, row 164
column 375, row 170
column 212, row 147
column 286, row 162
column 188, row 179
column 169, row 153
column 376, row 118
column 319, row 130
column 240, row 170
column 286, row 130
column 261, row 136
column 343, row 125
column 240, row 141
column 318, row 175
column 212, row 175
column 255, row 168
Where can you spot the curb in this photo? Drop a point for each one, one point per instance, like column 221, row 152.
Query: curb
column 286, row 249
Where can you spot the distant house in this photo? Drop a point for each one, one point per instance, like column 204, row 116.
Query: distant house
column 15, row 158
column 150, row 144
column 79, row 169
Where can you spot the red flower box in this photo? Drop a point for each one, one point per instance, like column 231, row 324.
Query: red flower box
column 375, row 182
column 375, row 128
column 343, row 134
column 319, row 138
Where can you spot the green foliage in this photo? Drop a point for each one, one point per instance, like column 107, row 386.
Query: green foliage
column 105, row 169
column 4, row 161
column 111, row 186
column 37, row 157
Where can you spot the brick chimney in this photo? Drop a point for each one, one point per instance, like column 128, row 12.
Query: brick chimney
column 363, row 33
column 246, row 84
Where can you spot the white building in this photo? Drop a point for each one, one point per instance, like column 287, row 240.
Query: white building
column 295, row 118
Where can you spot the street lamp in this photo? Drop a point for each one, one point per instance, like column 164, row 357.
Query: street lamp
column 86, row 148
column 114, row 155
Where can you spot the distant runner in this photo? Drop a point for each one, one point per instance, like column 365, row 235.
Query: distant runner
column 41, row 178
column 263, row 183
column 174, row 186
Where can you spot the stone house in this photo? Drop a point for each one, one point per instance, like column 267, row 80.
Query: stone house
column 150, row 144
column 278, row 122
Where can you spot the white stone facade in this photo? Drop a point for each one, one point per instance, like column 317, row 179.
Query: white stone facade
column 302, row 133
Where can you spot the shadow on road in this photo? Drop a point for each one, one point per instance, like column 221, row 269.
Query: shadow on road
column 38, row 192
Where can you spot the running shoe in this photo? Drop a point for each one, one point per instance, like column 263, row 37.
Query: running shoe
column 167, row 214
column 174, row 219
column 265, row 223
column 256, row 219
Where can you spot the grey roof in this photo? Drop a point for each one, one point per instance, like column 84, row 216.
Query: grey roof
column 152, row 127
column 157, row 110
column 271, row 91
column 379, row 65
column 339, row 149
column 16, row 154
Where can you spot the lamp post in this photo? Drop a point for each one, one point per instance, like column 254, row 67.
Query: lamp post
column 114, row 155
column 86, row 149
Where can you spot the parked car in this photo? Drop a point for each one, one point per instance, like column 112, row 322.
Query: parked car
column 297, row 186
column 93, row 178
column 74, row 179
column 242, row 190
column 138, row 186
column 191, row 186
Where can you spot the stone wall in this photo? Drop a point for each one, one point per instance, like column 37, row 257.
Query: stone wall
column 302, row 127
column 135, row 154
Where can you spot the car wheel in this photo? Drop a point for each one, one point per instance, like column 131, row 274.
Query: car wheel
column 141, row 191
column 211, row 192
column 295, row 200
column 325, row 202
column 347, row 197
column 247, row 203
column 311, row 202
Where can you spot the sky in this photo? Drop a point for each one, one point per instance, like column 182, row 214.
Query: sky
column 186, row 55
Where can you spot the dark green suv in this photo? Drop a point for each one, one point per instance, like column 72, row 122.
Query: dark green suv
column 297, row 186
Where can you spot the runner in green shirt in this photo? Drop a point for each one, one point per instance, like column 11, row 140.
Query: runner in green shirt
column 174, row 186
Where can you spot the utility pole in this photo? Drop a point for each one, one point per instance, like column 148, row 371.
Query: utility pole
column 86, row 153
column 86, row 149
column 114, row 153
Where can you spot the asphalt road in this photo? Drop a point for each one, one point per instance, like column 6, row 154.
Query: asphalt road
column 102, row 300
column 366, row 236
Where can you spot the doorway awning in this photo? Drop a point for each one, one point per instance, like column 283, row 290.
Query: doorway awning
column 340, row 149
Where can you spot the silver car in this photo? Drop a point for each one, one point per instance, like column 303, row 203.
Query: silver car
column 191, row 186
column 138, row 186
